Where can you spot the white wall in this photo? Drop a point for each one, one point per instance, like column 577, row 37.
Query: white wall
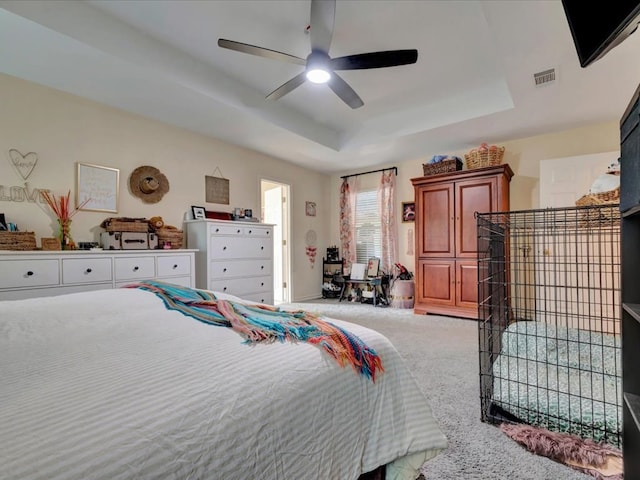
column 64, row 129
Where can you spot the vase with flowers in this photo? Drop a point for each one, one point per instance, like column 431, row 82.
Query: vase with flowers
column 61, row 208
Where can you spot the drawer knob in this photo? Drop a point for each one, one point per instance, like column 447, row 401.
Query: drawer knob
column 262, row 248
column 217, row 230
column 29, row 273
column 175, row 265
column 262, row 284
column 261, row 267
column 88, row 270
column 136, row 268
column 238, row 231
column 224, row 248
column 250, row 231
column 224, row 269
column 224, row 289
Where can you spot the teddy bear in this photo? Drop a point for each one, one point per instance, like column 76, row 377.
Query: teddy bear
column 156, row 223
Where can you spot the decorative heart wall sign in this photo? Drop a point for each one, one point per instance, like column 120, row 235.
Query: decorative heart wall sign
column 23, row 163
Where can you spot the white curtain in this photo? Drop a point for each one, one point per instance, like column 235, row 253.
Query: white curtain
column 387, row 208
column 348, row 196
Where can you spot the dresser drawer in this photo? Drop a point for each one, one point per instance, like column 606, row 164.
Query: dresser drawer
column 261, row 297
column 258, row 231
column 29, row 273
column 241, row 247
column 241, row 268
column 134, row 267
column 226, row 230
column 242, row 286
column 86, row 270
column 174, row 265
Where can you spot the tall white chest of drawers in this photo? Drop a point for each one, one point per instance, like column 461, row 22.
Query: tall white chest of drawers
column 46, row 273
column 233, row 257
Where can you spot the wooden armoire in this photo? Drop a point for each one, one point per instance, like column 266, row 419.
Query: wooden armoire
column 446, row 271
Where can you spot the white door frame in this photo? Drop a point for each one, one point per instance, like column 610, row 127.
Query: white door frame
column 275, row 209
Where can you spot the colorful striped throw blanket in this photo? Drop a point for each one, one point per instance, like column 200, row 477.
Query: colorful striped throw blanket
column 265, row 323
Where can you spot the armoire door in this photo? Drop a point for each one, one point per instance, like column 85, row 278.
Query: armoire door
column 471, row 196
column 438, row 283
column 436, row 210
column 467, row 284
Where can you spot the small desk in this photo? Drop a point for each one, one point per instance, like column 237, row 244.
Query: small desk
column 378, row 284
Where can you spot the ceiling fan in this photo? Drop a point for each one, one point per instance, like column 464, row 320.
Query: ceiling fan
column 319, row 66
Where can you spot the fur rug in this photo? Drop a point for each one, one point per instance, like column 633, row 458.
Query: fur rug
column 598, row 460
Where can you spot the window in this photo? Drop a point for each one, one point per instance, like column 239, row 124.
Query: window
column 368, row 226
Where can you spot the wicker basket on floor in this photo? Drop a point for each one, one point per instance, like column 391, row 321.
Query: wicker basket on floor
column 17, row 241
column 484, row 156
column 169, row 236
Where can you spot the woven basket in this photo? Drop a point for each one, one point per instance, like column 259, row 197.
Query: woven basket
column 126, row 225
column 169, row 236
column 17, row 241
column 445, row 166
column 603, row 198
column 484, row 156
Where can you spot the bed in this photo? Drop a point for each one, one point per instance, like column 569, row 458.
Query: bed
column 561, row 378
column 112, row 384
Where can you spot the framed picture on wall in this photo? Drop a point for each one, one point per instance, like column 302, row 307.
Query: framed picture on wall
column 408, row 211
column 310, row 209
column 98, row 187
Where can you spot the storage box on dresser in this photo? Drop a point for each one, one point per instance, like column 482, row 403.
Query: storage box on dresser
column 630, row 283
column 446, row 271
column 233, row 257
column 46, row 273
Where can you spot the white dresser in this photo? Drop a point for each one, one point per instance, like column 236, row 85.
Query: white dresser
column 233, row 257
column 46, row 273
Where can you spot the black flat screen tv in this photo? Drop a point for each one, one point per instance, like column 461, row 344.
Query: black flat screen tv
column 600, row 25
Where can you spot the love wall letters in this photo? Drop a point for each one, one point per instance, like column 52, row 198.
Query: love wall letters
column 24, row 165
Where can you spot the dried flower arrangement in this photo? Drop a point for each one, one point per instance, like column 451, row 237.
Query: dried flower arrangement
column 61, row 208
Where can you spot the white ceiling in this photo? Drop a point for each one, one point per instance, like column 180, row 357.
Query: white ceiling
column 473, row 81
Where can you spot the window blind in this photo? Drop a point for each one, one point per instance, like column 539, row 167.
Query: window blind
column 368, row 226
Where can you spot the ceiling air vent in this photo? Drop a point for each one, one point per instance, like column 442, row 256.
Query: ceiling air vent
column 547, row 76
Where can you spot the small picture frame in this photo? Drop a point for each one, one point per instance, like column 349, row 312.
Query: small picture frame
column 358, row 271
column 199, row 213
column 50, row 243
column 408, row 211
column 310, row 209
column 373, row 267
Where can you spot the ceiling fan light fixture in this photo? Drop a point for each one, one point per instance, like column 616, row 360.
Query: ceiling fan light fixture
column 318, row 70
column 318, row 75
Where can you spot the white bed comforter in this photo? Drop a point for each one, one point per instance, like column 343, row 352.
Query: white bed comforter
column 111, row 385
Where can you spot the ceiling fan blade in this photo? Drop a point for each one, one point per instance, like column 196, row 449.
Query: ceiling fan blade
column 391, row 58
column 287, row 87
column 323, row 13
column 344, row 91
column 260, row 51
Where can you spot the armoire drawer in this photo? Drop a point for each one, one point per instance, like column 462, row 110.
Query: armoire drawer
column 86, row 270
column 29, row 273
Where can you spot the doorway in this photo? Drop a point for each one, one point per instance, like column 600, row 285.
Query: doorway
column 275, row 210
